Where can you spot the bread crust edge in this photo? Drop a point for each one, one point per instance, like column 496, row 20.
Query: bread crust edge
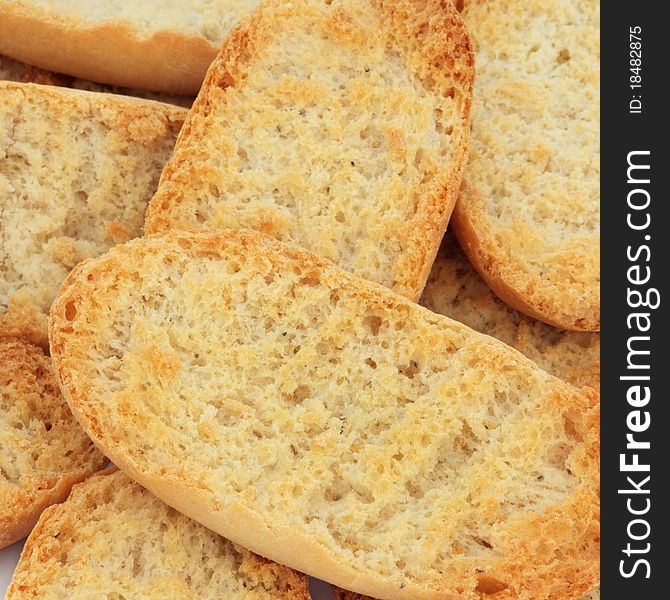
column 478, row 249
column 247, row 528
column 111, row 53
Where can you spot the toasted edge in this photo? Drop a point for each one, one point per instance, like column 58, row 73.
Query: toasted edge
column 22, row 319
column 111, row 53
column 40, row 533
column 239, row 50
column 248, row 528
column 519, row 289
column 18, row 521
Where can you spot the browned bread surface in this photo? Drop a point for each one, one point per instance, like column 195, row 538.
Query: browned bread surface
column 329, row 424
column 152, row 44
column 43, row 451
column 114, row 539
column 76, row 172
column 528, row 214
column 339, row 126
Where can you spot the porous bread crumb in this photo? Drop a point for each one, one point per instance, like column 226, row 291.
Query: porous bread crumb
column 14, row 70
column 76, row 172
column 354, row 435
column 113, row 539
column 340, row 126
column 43, row 451
column 528, row 214
column 456, row 290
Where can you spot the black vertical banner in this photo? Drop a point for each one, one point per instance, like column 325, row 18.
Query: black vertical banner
column 635, row 366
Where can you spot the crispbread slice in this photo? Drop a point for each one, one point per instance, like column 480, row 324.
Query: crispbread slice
column 76, row 172
column 152, row 44
column 43, row 451
column 456, row 290
column 329, row 424
column 528, row 215
column 340, row 126
column 113, row 539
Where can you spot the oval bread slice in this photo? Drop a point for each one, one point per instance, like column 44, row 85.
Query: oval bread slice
column 528, row 214
column 43, row 451
column 329, row 424
column 159, row 45
column 339, row 126
column 114, row 539
column 456, row 290
column 77, row 172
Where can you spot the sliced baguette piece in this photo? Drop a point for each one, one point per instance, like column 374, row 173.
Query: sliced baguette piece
column 14, row 70
column 159, row 45
column 339, row 126
column 329, row 424
column 43, row 451
column 456, row 290
column 114, row 539
column 528, row 215
column 76, row 172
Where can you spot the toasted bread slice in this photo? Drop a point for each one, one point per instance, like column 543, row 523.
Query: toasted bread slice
column 329, row 424
column 43, row 451
column 528, row 215
column 113, row 539
column 154, row 45
column 456, row 290
column 76, row 172
column 340, row 126
column 14, row 70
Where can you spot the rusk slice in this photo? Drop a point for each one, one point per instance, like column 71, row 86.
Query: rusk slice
column 528, row 215
column 43, row 451
column 76, row 172
column 329, row 424
column 113, row 539
column 339, row 126
column 160, row 45
column 456, row 290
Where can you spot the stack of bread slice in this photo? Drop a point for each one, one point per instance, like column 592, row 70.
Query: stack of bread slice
column 256, row 365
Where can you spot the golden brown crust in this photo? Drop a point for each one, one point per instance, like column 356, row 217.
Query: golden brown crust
column 25, row 322
column 528, row 210
column 532, row 570
column 519, row 289
column 105, row 208
column 29, row 393
column 444, row 66
column 165, row 62
column 76, row 531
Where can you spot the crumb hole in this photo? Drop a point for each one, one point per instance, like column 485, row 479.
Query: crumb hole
column 563, row 56
column 70, row 311
column 373, row 323
column 489, row 585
